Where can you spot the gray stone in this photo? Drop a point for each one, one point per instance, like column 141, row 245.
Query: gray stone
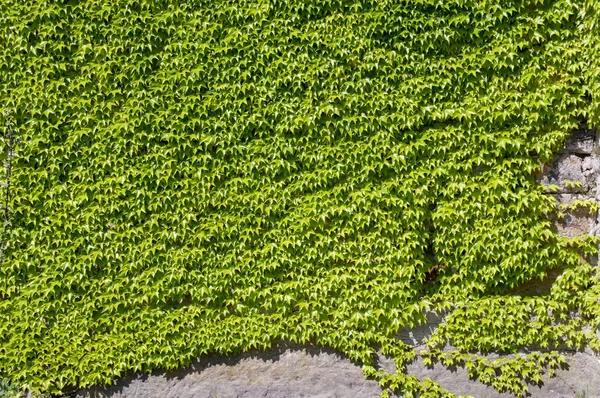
column 582, row 376
column 313, row 372
column 415, row 336
column 568, row 167
column 580, row 379
column 455, row 380
column 587, row 164
column 576, row 222
column 289, row 372
column 581, row 142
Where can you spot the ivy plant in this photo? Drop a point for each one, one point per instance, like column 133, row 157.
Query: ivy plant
column 200, row 177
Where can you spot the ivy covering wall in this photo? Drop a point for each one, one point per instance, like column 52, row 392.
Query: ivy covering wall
column 215, row 176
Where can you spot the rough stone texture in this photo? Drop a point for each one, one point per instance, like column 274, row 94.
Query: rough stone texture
column 581, row 142
column 567, row 167
column 282, row 372
column 581, row 377
column 291, row 371
column 313, row 372
column 576, row 222
column 578, row 161
column 415, row 336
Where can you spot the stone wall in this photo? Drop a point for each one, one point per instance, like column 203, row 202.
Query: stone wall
column 578, row 161
column 289, row 371
column 284, row 371
column 292, row 371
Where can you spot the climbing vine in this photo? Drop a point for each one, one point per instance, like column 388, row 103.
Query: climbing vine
column 201, row 177
column 9, row 143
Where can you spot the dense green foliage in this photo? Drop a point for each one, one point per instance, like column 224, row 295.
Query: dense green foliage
column 592, row 56
column 214, row 176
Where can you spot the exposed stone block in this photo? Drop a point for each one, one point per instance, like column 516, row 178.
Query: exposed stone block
column 313, row 372
column 576, row 222
column 569, row 167
column 280, row 372
column 580, row 379
column 581, row 142
column 415, row 336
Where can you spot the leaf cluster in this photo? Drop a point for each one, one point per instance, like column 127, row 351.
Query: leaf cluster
column 212, row 177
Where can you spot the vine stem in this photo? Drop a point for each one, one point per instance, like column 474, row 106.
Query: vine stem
column 10, row 137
